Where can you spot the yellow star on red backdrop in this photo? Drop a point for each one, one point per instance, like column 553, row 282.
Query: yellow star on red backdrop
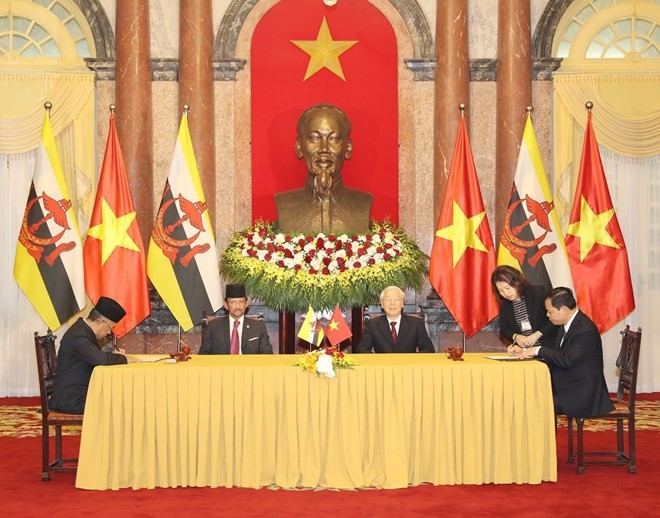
column 324, row 52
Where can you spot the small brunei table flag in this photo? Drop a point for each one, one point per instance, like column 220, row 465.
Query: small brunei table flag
column 311, row 330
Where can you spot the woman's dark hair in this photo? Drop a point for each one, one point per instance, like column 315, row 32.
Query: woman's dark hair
column 512, row 277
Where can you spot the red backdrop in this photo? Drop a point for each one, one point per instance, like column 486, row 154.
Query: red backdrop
column 369, row 96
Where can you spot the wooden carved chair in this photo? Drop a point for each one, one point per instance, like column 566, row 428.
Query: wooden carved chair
column 624, row 411
column 46, row 366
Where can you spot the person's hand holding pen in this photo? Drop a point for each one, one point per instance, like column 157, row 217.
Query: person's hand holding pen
column 527, row 341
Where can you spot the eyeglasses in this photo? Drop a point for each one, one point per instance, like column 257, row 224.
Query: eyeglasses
column 390, row 299
column 107, row 325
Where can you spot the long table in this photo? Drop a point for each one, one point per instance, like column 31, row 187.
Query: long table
column 252, row 421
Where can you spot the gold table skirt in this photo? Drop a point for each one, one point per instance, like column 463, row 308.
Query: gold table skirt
column 254, row 421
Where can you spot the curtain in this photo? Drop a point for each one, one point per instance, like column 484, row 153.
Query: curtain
column 635, row 188
column 22, row 98
column 626, row 118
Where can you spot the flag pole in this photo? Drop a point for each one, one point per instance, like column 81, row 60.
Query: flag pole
column 178, row 342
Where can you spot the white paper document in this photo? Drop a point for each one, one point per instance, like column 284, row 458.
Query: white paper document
column 149, row 358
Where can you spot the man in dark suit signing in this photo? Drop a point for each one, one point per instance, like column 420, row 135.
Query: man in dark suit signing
column 575, row 359
column 234, row 333
column 394, row 332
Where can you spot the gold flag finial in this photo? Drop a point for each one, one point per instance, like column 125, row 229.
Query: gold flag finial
column 186, row 110
column 48, row 105
column 589, row 105
column 462, row 108
column 112, row 109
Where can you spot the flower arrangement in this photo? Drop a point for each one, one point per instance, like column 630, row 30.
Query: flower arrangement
column 325, row 360
column 292, row 272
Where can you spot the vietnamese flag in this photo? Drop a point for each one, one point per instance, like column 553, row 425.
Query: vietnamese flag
column 463, row 255
column 113, row 253
column 337, row 329
column 594, row 242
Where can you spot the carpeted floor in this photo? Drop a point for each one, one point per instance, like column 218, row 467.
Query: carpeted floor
column 602, row 492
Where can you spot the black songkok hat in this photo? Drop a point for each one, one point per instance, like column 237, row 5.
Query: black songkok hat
column 235, row 291
column 110, row 309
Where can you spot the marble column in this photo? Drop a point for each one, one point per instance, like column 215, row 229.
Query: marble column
column 134, row 106
column 452, row 87
column 196, row 87
column 514, row 94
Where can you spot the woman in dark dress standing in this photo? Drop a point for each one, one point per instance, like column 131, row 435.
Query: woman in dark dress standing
column 523, row 318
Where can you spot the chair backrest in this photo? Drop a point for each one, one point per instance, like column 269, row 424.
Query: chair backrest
column 46, row 365
column 627, row 363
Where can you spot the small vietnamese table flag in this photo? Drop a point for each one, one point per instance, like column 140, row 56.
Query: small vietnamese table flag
column 337, row 330
column 114, row 252
column 463, row 255
column 311, row 330
column 594, row 241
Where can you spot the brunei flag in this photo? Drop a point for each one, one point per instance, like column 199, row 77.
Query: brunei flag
column 531, row 239
column 182, row 262
column 49, row 259
column 311, row 330
column 114, row 254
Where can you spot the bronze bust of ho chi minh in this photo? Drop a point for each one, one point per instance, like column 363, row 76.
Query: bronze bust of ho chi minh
column 324, row 204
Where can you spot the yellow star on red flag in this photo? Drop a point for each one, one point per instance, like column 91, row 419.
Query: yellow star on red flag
column 463, row 233
column 592, row 229
column 324, row 52
column 113, row 231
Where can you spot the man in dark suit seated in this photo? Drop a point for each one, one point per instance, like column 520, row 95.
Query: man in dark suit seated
column 575, row 359
column 394, row 332
column 81, row 350
column 234, row 333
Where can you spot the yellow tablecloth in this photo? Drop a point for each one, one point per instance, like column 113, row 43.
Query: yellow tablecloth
column 254, row 421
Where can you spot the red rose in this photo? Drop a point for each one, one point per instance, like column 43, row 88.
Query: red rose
column 287, row 239
column 325, row 271
column 331, row 237
column 301, row 242
column 288, row 254
column 327, row 261
column 297, row 267
column 312, row 271
column 268, row 257
column 356, row 264
column 371, row 261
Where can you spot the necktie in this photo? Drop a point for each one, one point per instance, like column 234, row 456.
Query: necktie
column 235, row 347
column 393, row 331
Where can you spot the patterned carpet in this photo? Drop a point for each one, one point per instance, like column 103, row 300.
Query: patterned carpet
column 25, row 421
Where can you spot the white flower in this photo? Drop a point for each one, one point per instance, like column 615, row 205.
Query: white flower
column 325, row 367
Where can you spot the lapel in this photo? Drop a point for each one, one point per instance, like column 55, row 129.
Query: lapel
column 571, row 330
column 385, row 329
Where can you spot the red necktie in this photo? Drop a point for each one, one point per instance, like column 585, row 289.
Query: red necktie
column 235, row 347
column 393, row 331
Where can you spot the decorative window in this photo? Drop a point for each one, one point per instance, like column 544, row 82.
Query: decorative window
column 618, row 29
column 32, row 29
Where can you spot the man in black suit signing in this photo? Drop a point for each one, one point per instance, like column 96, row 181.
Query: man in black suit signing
column 234, row 333
column 394, row 332
column 575, row 359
